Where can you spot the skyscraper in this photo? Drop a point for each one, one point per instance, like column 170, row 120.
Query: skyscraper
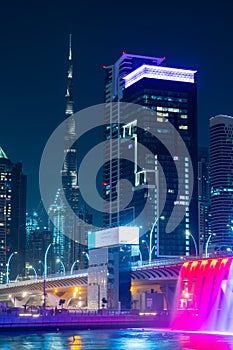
column 69, row 172
column 203, row 196
column 61, row 248
column 68, row 233
column 221, row 175
column 171, row 94
column 38, row 237
column 12, row 216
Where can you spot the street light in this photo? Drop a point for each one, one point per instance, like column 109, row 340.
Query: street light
column 63, row 266
column 147, row 245
column 207, row 243
column 144, row 241
column 87, row 255
column 40, row 262
column 151, row 233
column 34, row 270
column 45, row 272
column 7, row 266
column 188, row 233
column 72, row 267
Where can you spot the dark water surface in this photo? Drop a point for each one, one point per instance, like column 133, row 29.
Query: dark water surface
column 135, row 339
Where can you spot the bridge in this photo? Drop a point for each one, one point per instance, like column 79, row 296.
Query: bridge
column 160, row 276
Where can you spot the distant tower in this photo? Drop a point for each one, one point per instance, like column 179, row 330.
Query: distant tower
column 69, row 235
column 203, row 197
column 221, row 174
column 69, row 172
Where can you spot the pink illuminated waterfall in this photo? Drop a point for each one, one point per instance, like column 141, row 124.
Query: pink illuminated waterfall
column 204, row 297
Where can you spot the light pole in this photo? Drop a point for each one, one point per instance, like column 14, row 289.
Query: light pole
column 151, row 233
column 34, row 270
column 188, row 233
column 140, row 255
column 63, row 266
column 147, row 246
column 40, row 262
column 7, row 266
column 72, row 267
column 207, row 243
column 87, row 255
column 45, row 273
column 150, row 249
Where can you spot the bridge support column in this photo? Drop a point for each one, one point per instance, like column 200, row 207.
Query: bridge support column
column 169, row 291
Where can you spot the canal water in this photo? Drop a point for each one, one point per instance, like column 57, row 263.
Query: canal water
column 134, row 339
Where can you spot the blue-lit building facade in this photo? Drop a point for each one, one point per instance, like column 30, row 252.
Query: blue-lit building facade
column 171, row 94
column 12, row 217
column 221, row 175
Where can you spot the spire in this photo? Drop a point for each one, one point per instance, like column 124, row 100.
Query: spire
column 69, row 96
column 3, row 154
column 70, row 47
column 70, row 163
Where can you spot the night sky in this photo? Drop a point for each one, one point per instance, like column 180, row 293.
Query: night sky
column 34, row 51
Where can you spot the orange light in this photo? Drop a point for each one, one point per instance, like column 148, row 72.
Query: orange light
column 204, row 262
column 55, row 290
column 225, row 260
column 213, row 262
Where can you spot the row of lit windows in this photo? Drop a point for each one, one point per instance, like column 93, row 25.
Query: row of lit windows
column 181, row 127
column 166, row 98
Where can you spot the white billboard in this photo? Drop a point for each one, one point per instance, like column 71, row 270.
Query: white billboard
column 113, row 237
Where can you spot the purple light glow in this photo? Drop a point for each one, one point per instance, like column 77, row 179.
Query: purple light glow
column 158, row 72
column 204, row 297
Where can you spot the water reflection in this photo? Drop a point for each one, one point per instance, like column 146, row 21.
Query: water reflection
column 148, row 339
column 206, row 342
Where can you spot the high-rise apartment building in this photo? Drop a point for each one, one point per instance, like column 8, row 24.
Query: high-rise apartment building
column 12, row 218
column 171, row 94
column 221, row 175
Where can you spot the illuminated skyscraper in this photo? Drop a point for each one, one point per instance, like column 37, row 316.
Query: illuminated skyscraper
column 38, row 237
column 221, row 175
column 69, row 172
column 171, row 93
column 12, row 216
column 57, row 226
column 68, row 235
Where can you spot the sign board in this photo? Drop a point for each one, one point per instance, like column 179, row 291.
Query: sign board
column 113, row 237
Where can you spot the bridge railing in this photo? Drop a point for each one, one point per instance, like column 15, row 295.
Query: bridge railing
column 40, row 279
column 162, row 262
column 83, row 273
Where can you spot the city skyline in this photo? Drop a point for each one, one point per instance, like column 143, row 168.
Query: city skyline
column 34, row 65
column 132, row 162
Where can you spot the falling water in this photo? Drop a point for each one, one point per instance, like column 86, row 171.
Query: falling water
column 204, row 297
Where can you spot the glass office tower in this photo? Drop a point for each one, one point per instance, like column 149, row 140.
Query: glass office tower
column 171, row 94
column 221, row 174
